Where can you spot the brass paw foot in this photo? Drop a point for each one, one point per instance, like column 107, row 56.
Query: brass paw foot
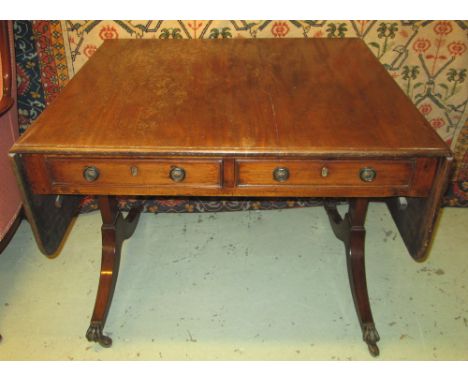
column 94, row 334
column 371, row 337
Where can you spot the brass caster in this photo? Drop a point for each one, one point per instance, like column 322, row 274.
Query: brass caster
column 94, row 334
column 105, row 341
column 370, row 337
column 373, row 350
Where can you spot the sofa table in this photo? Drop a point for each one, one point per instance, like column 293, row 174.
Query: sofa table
column 232, row 118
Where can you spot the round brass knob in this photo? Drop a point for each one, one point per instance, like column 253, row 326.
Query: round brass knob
column 367, row 174
column 91, row 173
column 281, row 174
column 177, row 174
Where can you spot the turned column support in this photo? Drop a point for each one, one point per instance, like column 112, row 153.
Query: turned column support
column 350, row 229
column 115, row 229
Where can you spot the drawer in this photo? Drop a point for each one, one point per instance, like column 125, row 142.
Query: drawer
column 330, row 173
column 141, row 173
column 246, row 177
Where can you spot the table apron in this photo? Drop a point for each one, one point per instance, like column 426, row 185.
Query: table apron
column 230, row 177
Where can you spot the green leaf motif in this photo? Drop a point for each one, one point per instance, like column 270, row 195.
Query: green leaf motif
column 387, row 30
column 332, row 30
column 410, row 72
column 342, row 29
column 456, row 77
column 451, row 75
column 462, row 75
column 220, row 33
column 170, row 33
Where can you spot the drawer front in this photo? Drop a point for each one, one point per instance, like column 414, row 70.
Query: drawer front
column 329, row 173
column 133, row 173
column 246, row 177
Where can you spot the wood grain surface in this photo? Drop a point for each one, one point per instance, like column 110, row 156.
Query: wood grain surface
column 236, row 97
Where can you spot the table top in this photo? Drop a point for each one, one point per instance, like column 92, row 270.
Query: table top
column 223, row 97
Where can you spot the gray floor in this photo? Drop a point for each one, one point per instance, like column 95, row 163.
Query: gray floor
column 268, row 285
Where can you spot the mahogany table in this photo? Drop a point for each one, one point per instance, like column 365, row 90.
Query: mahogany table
column 254, row 118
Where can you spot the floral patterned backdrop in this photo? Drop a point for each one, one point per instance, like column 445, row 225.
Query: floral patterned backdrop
column 428, row 59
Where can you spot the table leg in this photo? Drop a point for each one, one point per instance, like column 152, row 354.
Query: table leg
column 115, row 229
column 351, row 231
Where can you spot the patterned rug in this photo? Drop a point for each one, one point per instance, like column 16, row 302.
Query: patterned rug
column 428, row 60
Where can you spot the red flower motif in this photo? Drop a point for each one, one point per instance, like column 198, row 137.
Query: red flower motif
column 89, row 50
column 456, row 48
column 318, row 34
column 280, row 29
column 421, row 45
column 425, row 108
column 443, row 28
column 171, row 202
column 108, row 33
column 195, row 25
column 403, row 33
column 437, row 123
column 23, row 80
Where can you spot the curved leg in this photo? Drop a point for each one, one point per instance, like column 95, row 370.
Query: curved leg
column 351, row 231
column 339, row 225
column 115, row 229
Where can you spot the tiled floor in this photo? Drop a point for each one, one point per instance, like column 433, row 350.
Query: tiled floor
column 237, row 286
